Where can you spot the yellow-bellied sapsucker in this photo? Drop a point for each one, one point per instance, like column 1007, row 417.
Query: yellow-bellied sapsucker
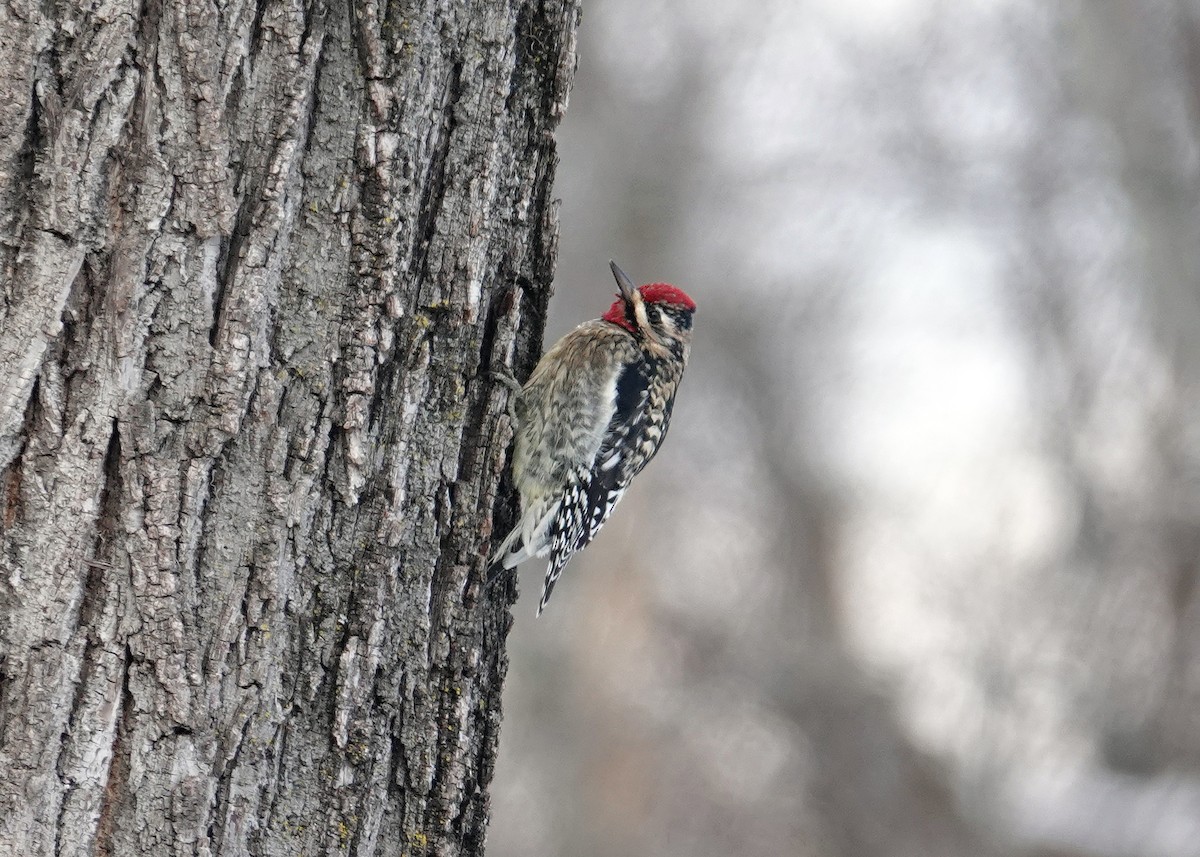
column 590, row 417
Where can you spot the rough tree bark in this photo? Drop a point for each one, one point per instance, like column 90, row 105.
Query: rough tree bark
column 257, row 260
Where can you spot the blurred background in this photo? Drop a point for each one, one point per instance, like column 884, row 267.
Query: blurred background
column 915, row 573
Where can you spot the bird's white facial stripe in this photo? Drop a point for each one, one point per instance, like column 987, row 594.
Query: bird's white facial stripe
column 639, row 312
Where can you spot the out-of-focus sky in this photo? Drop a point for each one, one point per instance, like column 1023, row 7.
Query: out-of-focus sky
column 915, row 571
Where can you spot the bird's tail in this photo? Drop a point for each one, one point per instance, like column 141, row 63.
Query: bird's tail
column 519, row 545
column 502, row 559
column 505, row 547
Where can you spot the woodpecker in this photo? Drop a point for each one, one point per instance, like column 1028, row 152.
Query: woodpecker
column 590, row 417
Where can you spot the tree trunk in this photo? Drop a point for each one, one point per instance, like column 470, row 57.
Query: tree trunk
column 257, row 262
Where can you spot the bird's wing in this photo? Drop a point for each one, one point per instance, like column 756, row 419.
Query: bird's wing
column 593, row 490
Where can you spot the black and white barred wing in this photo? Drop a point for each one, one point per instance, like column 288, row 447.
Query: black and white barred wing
column 583, row 510
column 593, row 491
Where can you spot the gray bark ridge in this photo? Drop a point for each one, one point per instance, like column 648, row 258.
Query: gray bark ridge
column 256, row 262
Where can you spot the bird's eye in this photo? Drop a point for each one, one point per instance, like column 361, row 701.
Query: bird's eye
column 654, row 314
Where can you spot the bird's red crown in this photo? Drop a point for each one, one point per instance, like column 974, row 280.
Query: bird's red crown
column 652, row 293
column 665, row 293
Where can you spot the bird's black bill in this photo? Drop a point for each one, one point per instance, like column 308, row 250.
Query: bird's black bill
column 623, row 282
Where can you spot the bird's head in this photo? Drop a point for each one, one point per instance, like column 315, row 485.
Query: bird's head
column 658, row 313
